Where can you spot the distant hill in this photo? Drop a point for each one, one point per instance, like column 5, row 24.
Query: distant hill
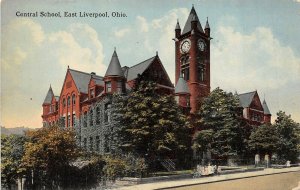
column 15, row 131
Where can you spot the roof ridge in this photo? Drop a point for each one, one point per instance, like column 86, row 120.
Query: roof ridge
column 85, row 73
column 143, row 61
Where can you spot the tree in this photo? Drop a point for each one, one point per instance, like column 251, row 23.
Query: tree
column 12, row 149
column 151, row 124
column 289, row 134
column 264, row 139
column 220, row 123
column 48, row 155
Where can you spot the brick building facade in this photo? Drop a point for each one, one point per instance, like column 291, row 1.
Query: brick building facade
column 85, row 100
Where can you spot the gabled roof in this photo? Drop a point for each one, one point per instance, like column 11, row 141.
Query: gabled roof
column 132, row 72
column 82, row 80
column 49, row 96
column 266, row 109
column 114, row 67
column 246, row 99
column 181, row 86
column 98, row 80
column 188, row 26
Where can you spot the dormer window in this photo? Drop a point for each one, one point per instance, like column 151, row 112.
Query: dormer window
column 92, row 93
column 108, row 86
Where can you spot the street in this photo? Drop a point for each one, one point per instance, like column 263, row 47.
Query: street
column 282, row 181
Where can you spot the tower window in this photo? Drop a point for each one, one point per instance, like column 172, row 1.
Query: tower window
column 84, row 119
column 201, row 70
column 97, row 143
column 185, row 67
column 108, row 86
column 119, row 86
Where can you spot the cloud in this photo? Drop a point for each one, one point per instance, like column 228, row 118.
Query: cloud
column 251, row 61
column 121, row 33
column 32, row 59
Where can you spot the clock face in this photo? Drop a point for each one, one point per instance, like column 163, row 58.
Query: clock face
column 185, row 46
column 201, row 45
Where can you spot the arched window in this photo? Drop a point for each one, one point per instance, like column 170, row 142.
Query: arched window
column 185, row 67
column 84, row 119
column 64, row 102
column 69, row 101
column 73, row 99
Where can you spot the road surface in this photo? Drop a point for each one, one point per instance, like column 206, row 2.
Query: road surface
column 282, row 181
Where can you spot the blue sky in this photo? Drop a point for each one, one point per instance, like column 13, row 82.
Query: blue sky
column 256, row 46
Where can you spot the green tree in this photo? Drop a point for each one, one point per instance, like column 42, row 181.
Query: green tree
column 264, row 139
column 12, row 149
column 48, row 155
column 221, row 125
column 151, row 124
column 289, row 133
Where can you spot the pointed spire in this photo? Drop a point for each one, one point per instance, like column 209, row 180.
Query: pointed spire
column 49, row 96
column 181, row 86
column 266, row 108
column 114, row 67
column 188, row 25
column 177, row 26
column 207, row 24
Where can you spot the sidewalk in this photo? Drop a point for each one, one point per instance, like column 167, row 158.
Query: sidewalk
column 204, row 180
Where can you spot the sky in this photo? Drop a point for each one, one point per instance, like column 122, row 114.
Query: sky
column 255, row 46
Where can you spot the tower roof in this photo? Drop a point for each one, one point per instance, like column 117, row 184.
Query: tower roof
column 266, row 109
column 207, row 24
column 114, row 68
column 188, row 26
column 177, row 26
column 49, row 96
column 181, row 86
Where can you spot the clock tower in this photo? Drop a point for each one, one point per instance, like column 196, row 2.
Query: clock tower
column 192, row 58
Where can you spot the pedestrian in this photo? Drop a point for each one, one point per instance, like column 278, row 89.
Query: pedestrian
column 257, row 159
column 267, row 160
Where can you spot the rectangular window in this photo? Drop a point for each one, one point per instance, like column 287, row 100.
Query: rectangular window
column 69, row 121
column 74, row 119
column 97, row 143
column 69, row 101
column 108, row 86
column 91, row 143
column 91, row 118
column 85, row 119
column 98, row 115
column 84, row 143
column 107, row 113
column 119, row 86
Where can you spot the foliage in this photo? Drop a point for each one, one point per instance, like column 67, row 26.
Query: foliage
column 117, row 166
column 151, row 124
column 221, row 125
column 264, row 139
column 289, row 134
column 48, row 155
column 11, row 154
